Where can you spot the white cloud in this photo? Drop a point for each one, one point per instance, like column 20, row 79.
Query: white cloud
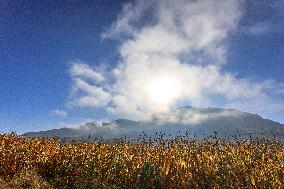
column 93, row 96
column 75, row 124
column 260, row 28
column 82, row 70
column 131, row 14
column 57, row 112
column 192, row 116
column 178, row 56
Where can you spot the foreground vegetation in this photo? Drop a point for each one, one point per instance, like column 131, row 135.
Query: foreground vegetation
column 159, row 163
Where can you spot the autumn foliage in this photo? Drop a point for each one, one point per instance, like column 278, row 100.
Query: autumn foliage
column 145, row 163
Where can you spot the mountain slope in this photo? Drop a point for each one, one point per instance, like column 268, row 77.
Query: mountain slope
column 202, row 122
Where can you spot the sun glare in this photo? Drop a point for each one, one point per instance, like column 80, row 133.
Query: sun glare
column 164, row 90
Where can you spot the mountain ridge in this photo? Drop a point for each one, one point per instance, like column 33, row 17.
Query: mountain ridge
column 203, row 121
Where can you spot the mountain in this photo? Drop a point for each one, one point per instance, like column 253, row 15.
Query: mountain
column 199, row 122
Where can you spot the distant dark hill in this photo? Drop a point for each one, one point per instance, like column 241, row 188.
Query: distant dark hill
column 199, row 122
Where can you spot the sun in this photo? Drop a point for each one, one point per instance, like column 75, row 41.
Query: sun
column 164, row 90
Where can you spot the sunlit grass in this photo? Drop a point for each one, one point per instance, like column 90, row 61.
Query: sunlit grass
column 159, row 163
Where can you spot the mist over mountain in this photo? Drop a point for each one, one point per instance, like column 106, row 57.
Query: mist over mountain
column 196, row 122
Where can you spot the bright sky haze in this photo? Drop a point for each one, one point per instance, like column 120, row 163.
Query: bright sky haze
column 63, row 63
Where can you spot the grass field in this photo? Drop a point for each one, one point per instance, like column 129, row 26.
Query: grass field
column 156, row 163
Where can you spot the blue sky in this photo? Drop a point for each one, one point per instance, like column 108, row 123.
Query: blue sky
column 50, row 52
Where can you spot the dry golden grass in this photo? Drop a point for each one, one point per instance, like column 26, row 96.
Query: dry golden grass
column 26, row 179
column 177, row 163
